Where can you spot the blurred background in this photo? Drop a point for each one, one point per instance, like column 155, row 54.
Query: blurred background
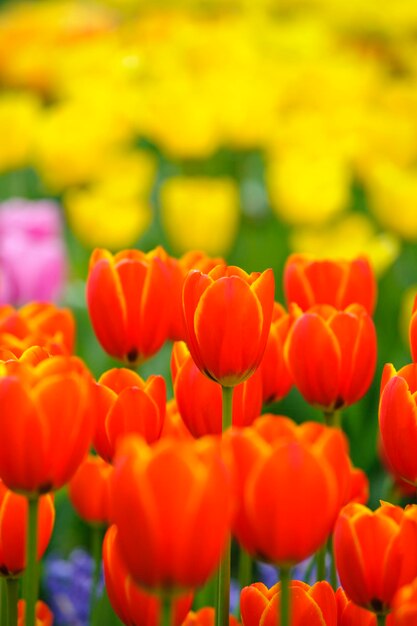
column 248, row 129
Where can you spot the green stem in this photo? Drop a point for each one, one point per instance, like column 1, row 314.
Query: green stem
column 96, row 549
column 3, row 601
column 12, row 590
column 321, row 563
column 166, row 611
column 245, row 568
column 285, row 576
column 227, row 407
column 223, row 590
column 333, row 570
column 380, row 619
column 333, row 418
column 31, row 574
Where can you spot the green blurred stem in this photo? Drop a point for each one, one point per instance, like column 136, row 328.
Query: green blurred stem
column 166, row 611
column 380, row 619
column 333, row 570
column 12, row 590
column 227, row 407
column 285, row 576
column 321, row 562
column 333, row 418
column 3, row 601
column 245, row 568
column 31, row 574
column 223, row 590
column 96, row 549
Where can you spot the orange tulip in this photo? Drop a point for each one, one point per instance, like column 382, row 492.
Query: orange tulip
column 47, row 422
column 276, row 378
column 131, row 603
column 412, row 333
column 89, row 490
column 205, row 617
column 174, row 427
column 309, row 281
column 376, row 553
column 37, row 323
column 312, row 606
column 178, row 270
column 280, row 519
column 199, row 399
column 398, row 420
column 13, row 524
column 44, row 615
column 328, row 443
column 171, row 538
column 128, row 303
column 127, row 404
column 405, row 606
column 332, row 355
column 227, row 317
column 350, row 614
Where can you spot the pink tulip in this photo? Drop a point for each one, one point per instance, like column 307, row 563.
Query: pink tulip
column 32, row 251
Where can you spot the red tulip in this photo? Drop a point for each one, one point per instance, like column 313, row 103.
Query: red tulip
column 43, row 617
column 89, row 490
column 37, row 323
column 206, row 617
column 350, row 614
column 227, row 316
column 13, row 524
column 312, row 606
column 405, row 606
column 47, row 422
column 309, row 281
column 287, row 496
column 131, row 603
column 376, row 553
column 172, row 508
column 199, row 399
column 128, row 303
column 398, row 420
column 332, row 355
column 276, row 378
column 127, row 404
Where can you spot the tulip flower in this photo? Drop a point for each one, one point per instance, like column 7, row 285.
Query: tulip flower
column 47, row 422
column 397, row 420
column 279, row 520
column 413, row 331
column 332, row 355
column 206, row 617
column 128, row 304
column 127, row 404
column 276, row 378
column 376, row 553
column 199, row 399
column 174, row 427
column 13, row 523
column 89, row 490
column 350, row 614
column 405, row 605
column 178, row 270
column 171, row 539
column 227, row 316
column 44, row 616
column 309, row 281
column 31, row 230
column 131, row 603
column 37, row 324
column 315, row 606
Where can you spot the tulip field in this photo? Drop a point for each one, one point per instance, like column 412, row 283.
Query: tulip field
column 208, row 313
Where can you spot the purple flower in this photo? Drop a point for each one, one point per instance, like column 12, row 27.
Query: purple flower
column 68, row 587
column 32, row 251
